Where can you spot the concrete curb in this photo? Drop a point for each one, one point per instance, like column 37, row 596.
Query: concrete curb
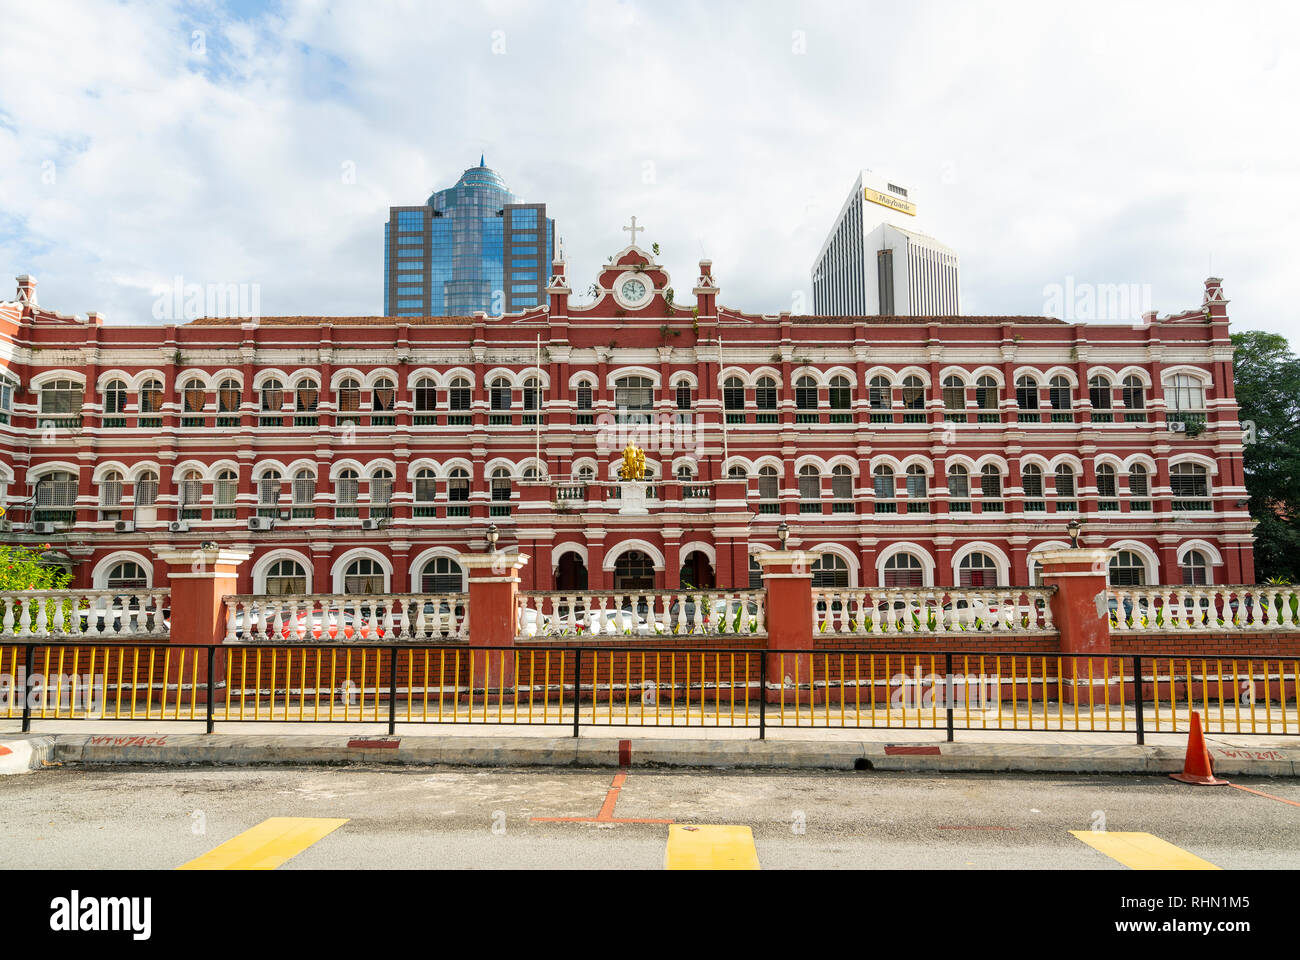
column 241, row 750
column 23, row 754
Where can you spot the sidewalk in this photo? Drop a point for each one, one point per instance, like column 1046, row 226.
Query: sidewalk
column 172, row 743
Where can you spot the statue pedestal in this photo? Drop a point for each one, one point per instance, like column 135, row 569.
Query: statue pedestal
column 632, row 498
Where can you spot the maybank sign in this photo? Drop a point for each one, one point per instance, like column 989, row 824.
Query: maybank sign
column 885, row 200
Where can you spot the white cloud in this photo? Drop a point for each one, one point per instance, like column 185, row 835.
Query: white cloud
column 1117, row 143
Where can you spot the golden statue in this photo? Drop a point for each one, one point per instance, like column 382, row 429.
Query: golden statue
column 633, row 463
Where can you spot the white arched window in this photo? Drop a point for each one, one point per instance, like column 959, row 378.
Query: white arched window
column 810, row 489
column 426, row 491
column 272, row 403
column 1107, row 488
column 426, row 402
column 977, row 570
column 1195, row 568
column 841, row 489
column 381, row 494
column 765, row 397
column 194, row 396
column 225, row 488
column 285, row 578
column 829, row 572
column 228, row 402
column 1139, row 488
column 733, row 399
column 304, row 494
column 882, row 481
column 114, row 401
column 634, row 399
column 383, row 400
column 991, row 488
column 987, row 398
column 1061, row 397
column 126, row 575
column 1127, row 570
column 458, row 492
column 1027, row 393
column 769, row 490
column 958, row 489
column 306, row 397
column 1190, row 483
column 60, row 402
column 56, row 499
column 346, row 491
column 954, row 398
column 349, row 398
column 442, row 575
column 1065, row 488
column 841, row 399
column 880, row 393
column 1031, row 479
column 191, row 495
column 904, row 570
column 365, row 576
column 110, row 496
column 501, row 491
column 268, row 494
column 806, row 400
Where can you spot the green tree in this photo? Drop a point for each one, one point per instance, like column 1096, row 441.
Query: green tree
column 1267, row 376
column 21, row 569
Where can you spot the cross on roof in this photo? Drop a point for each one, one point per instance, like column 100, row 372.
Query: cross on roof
column 634, row 230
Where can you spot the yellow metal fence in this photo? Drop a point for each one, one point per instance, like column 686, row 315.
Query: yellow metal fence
column 575, row 686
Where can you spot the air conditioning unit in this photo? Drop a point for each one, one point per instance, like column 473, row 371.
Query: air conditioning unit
column 371, row 524
column 124, row 526
column 179, row 526
column 6, row 526
column 1177, row 426
column 42, row 526
column 261, row 523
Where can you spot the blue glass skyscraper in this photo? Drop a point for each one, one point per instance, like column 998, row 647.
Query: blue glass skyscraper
column 474, row 246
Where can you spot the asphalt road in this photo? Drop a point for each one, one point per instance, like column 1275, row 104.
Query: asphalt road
column 457, row 818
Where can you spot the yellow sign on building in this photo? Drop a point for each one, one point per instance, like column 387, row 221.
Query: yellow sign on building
column 886, row 200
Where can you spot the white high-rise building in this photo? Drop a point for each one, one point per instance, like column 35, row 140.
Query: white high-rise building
column 876, row 263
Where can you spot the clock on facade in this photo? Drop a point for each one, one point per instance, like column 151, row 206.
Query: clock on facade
column 631, row 292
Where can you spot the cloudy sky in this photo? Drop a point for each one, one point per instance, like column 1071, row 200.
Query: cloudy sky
column 233, row 141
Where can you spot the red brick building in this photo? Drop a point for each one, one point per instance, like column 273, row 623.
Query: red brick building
column 364, row 453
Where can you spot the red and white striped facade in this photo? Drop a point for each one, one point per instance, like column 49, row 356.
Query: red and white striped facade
column 723, row 512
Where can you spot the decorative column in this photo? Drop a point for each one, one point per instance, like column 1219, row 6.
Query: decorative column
column 199, row 581
column 493, row 619
column 1081, row 611
column 787, row 578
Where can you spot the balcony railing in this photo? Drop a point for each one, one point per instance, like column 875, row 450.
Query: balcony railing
column 94, row 614
column 639, row 614
column 862, row 611
column 1208, row 609
column 339, row 618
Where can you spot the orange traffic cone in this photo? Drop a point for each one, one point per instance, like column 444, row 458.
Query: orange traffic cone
column 1197, row 768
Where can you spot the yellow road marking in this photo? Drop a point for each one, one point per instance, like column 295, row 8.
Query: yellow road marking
column 710, row 847
column 266, row 846
column 1143, row 851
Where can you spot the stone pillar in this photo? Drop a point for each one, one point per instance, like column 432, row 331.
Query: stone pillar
column 787, row 578
column 493, row 620
column 199, row 582
column 1080, row 609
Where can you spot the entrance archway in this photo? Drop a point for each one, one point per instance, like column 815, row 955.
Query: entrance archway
column 570, row 572
column 697, row 572
column 634, row 570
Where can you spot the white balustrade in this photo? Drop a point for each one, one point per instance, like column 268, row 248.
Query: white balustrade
column 345, row 618
column 89, row 614
column 638, row 614
column 1206, row 609
column 868, row 611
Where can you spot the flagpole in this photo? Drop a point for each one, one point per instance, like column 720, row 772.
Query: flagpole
column 724, row 405
column 540, row 406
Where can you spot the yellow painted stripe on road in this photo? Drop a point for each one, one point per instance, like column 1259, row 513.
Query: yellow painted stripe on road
column 1143, row 851
column 710, row 847
column 268, row 845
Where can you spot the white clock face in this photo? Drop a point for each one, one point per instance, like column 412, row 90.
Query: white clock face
column 633, row 291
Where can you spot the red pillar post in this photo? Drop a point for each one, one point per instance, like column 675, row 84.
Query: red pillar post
column 493, row 620
column 200, row 581
column 1080, row 610
column 787, row 578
